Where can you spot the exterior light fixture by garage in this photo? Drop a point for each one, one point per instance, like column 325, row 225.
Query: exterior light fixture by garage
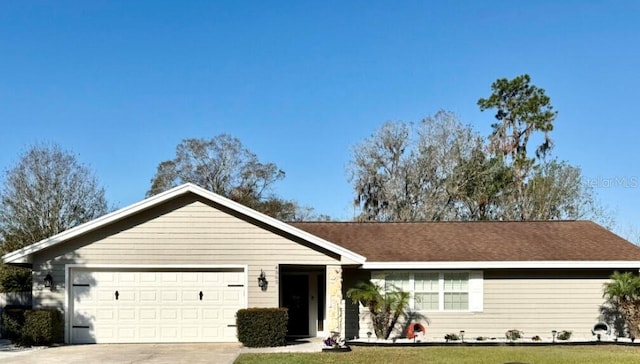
column 262, row 280
column 48, row 281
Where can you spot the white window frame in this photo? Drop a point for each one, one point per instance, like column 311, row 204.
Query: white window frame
column 475, row 288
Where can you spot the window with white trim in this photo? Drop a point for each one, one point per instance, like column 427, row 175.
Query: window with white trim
column 456, row 291
column 437, row 291
column 426, row 291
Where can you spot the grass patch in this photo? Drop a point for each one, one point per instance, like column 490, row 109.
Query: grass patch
column 458, row 355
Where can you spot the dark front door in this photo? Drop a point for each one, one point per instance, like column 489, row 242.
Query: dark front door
column 295, row 297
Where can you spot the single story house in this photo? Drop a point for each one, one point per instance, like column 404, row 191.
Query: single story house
column 177, row 266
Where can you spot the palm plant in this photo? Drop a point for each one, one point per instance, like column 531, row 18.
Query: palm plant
column 623, row 291
column 385, row 308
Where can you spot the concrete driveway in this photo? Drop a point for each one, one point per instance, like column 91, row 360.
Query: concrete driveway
column 126, row 353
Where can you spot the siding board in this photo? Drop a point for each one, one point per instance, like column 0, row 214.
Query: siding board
column 188, row 231
column 531, row 301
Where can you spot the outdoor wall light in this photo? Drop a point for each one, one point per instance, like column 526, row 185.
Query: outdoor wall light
column 48, row 281
column 262, row 280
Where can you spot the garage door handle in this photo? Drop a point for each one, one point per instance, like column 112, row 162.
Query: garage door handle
column 200, row 294
column 117, row 295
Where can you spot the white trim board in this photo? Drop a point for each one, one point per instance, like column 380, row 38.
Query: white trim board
column 549, row 264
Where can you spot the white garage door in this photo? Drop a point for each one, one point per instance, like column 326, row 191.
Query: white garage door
column 155, row 306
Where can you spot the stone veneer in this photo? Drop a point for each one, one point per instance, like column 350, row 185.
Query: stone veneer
column 334, row 298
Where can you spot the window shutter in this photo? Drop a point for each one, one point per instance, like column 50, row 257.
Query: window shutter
column 476, row 291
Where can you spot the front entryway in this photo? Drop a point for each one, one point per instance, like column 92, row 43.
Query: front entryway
column 302, row 291
column 295, row 297
column 138, row 306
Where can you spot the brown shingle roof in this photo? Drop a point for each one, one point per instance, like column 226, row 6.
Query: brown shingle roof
column 476, row 241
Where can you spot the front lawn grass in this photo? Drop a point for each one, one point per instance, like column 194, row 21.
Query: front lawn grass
column 459, row 355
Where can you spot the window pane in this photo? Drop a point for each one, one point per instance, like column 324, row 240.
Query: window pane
column 456, row 301
column 397, row 281
column 456, row 282
column 456, row 291
column 426, row 282
column 426, row 301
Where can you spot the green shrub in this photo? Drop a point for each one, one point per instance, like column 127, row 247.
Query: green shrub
column 27, row 327
column 565, row 335
column 451, row 337
column 42, row 327
column 514, row 334
column 13, row 322
column 262, row 327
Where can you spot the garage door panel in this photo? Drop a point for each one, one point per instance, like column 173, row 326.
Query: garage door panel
column 93, row 278
column 126, row 295
column 83, row 317
column 82, row 293
column 82, row 336
column 212, row 332
column 127, row 314
column 190, row 332
column 163, row 306
column 148, row 314
column 191, row 277
column 126, row 333
column 82, row 277
column 212, row 297
column 169, row 296
column 104, row 334
column 104, row 295
column 211, row 314
column 229, row 333
column 190, row 314
column 169, row 277
column 211, row 278
column 192, row 295
column 169, row 314
column 105, row 314
column 99, row 278
column 170, row 332
column 148, row 333
column 229, row 315
column 148, row 296
column 234, row 278
column 231, row 296
column 148, row 277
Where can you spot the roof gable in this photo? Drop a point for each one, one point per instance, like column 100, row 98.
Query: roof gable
column 23, row 255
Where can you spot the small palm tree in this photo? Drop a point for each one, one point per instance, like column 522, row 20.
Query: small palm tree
column 385, row 308
column 623, row 291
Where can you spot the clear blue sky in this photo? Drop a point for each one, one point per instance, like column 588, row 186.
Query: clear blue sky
column 121, row 83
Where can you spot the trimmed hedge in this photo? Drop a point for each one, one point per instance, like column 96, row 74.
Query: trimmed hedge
column 13, row 322
column 262, row 327
column 43, row 327
column 29, row 327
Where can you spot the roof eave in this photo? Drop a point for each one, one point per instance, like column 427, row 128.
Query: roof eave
column 540, row 264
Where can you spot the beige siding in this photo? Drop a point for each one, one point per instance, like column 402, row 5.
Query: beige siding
column 186, row 231
column 534, row 302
